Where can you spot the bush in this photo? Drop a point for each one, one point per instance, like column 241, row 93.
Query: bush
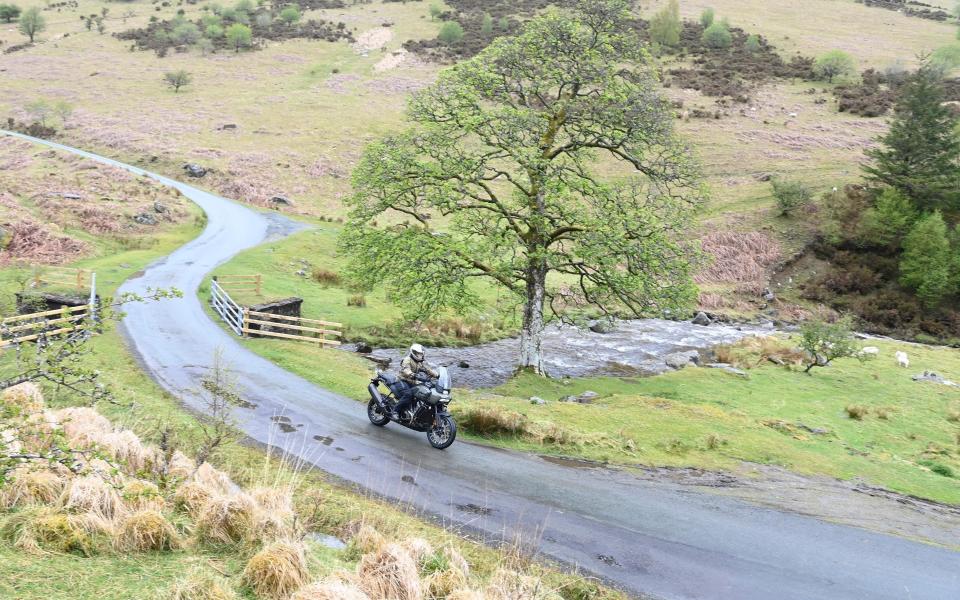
column 833, row 64
column 290, row 15
column 238, row 36
column 790, row 195
column 753, row 43
column 486, row 25
column 717, row 36
column 451, row 32
column 277, row 571
column 357, row 300
column 665, row 26
column 938, row 468
column 825, row 342
column 706, row 17
column 487, row 421
column 324, row 277
column 177, row 79
column 9, row 12
column 214, row 31
column 186, row 33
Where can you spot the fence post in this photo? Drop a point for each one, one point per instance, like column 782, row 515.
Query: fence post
column 245, row 322
column 258, row 284
column 93, row 297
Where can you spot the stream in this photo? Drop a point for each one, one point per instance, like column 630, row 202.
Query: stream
column 634, row 348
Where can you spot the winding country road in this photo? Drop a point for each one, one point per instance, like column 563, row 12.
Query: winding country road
column 647, row 537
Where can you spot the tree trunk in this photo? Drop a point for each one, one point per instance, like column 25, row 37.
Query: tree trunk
column 531, row 355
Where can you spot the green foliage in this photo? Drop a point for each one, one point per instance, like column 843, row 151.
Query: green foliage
column 509, row 175
column 435, row 11
column 753, row 43
column 451, row 32
column 238, row 36
column 790, row 195
column 31, row 23
column 888, row 220
column 706, row 17
column 504, row 24
column 208, row 20
column 177, row 79
column 214, row 31
column 290, row 14
column 927, row 260
column 833, row 64
column 825, row 342
column 186, row 33
column 717, row 35
column 486, row 25
column 919, row 154
column 205, row 46
column 665, row 26
column 9, row 12
column 945, row 59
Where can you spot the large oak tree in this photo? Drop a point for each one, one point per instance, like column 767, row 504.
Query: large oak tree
column 499, row 178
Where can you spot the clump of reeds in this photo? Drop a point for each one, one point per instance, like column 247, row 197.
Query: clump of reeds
column 28, row 486
column 277, row 571
column 226, row 519
column 390, row 572
column 91, row 494
column 144, row 531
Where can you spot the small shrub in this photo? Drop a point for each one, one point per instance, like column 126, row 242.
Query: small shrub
column 706, row 17
column 717, row 36
column 713, row 441
column 665, row 26
column 882, row 412
column 938, row 468
column 790, row 195
column 753, row 43
column 856, row 411
column 325, row 278
column 290, row 15
column 834, row 64
column 358, row 300
column 451, row 32
column 953, row 415
column 676, row 446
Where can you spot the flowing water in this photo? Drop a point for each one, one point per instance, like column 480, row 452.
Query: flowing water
column 634, row 348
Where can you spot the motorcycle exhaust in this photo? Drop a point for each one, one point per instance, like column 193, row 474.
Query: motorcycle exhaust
column 375, row 394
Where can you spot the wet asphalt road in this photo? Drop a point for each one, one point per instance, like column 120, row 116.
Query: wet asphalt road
column 646, row 537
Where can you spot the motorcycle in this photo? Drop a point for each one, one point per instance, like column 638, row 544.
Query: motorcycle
column 428, row 412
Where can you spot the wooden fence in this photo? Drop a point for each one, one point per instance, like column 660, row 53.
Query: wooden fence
column 48, row 323
column 62, row 276
column 241, row 283
column 246, row 322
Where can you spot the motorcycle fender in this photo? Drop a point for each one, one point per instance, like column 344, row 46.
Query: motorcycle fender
column 376, row 395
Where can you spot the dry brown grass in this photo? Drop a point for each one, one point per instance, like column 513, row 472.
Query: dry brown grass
column 82, row 425
column 191, row 497
column 751, row 352
column 507, row 584
column 37, row 530
column 330, row 589
column 390, row 573
column 202, row 584
column 441, row 584
column 146, row 531
column 141, row 495
column 31, row 487
column 277, row 571
column 366, row 539
column 180, row 466
column 418, row 548
column 214, row 479
column 466, row 594
column 487, row 420
column 25, row 398
column 745, row 259
column 91, row 494
column 324, row 277
column 227, row 519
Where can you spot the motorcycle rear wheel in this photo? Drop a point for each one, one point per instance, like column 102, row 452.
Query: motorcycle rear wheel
column 376, row 414
column 442, row 434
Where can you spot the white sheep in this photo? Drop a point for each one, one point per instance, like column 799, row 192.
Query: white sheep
column 902, row 359
column 869, row 351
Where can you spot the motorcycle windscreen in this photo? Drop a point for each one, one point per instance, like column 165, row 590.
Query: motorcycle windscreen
column 443, row 381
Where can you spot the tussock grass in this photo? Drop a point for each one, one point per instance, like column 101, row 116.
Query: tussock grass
column 201, row 584
column 91, row 494
column 856, row 411
column 31, row 487
column 228, row 519
column 191, row 497
column 83, row 425
column 325, row 277
column 507, row 584
column 37, row 530
column 365, row 539
column 24, row 398
column 141, row 495
column 466, row 594
column 330, row 589
column 146, row 531
column 390, row 572
column 487, row 421
column 418, row 548
column 277, row 570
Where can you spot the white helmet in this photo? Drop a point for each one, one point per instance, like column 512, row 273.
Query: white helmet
column 416, row 353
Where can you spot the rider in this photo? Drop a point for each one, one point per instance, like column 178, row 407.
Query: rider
column 412, row 364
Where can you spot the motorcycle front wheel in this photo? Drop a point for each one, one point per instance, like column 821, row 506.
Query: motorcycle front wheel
column 376, row 414
column 443, row 432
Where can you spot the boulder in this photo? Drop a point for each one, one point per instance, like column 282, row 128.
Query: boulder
column 281, row 201
column 602, row 326
column 587, row 397
column 159, row 207
column 679, row 360
column 768, row 295
column 729, row 369
column 364, row 348
column 71, row 196
column 145, row 218
column 463, row 364
column 934, row 378
column 701, row 319
column 537, row 400
column 194, row 170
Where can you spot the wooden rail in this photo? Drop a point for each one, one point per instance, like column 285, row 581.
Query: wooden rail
column 27, row 328
column 245, row 322
column 241, row 283
column 65, row 276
